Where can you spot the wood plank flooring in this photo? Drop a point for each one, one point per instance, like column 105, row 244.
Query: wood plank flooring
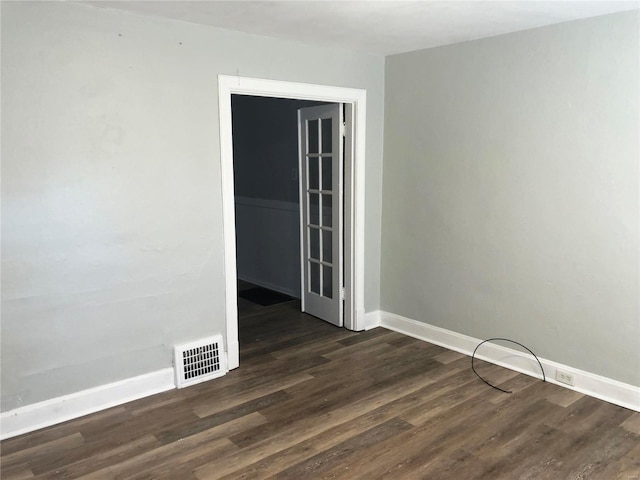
column 314, row 401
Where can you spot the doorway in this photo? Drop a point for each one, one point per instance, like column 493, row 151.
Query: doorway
column 266, row 191
column 355, row 102
column 288, row 181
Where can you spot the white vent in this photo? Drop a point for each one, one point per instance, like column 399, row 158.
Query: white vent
column 199, row 361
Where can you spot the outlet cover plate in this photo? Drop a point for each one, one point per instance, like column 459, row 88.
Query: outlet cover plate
column 565, row 377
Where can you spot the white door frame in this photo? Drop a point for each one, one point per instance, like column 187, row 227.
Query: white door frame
column 353, row 195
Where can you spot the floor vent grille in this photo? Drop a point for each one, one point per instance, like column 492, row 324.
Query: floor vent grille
column 199, row 361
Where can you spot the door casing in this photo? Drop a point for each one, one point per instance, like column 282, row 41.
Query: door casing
column 355, row 101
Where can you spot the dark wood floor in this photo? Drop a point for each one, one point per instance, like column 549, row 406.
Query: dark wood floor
column 314, row 401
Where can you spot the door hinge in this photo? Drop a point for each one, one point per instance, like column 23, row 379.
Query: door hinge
column 342, row 294
column 343, row 129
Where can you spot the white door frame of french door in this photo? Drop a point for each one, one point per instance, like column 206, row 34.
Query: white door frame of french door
column 356, row 103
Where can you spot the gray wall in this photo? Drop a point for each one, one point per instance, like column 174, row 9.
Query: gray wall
column 265, row 170
column 112, row 246
column 510, row 200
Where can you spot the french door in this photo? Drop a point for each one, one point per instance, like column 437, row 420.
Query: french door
column 320, row 133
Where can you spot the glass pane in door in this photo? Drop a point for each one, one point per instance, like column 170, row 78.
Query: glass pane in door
column 314, row 173
column 327, row 246
column 314, row 243
column 326, row 135
column 312, row 136
column 314, row 209
column 327, row 212
column 314, row 277
column 327, row 173
column 327, row 281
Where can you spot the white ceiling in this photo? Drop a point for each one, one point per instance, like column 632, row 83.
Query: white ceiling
column 382, row 27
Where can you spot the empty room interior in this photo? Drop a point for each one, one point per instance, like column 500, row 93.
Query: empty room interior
column 269, row 239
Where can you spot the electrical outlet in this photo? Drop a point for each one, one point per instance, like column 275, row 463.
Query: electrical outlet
column 565, row 377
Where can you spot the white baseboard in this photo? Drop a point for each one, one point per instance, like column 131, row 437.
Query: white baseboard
column 268, row 204
column 57, row 410
column 270, row 286
column 604, row 388
column 233, row 355
column 371, row 320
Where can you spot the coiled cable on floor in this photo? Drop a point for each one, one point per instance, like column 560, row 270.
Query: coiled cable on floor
column 473, row 356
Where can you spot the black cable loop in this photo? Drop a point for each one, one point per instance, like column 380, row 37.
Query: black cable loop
column 473, row 356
